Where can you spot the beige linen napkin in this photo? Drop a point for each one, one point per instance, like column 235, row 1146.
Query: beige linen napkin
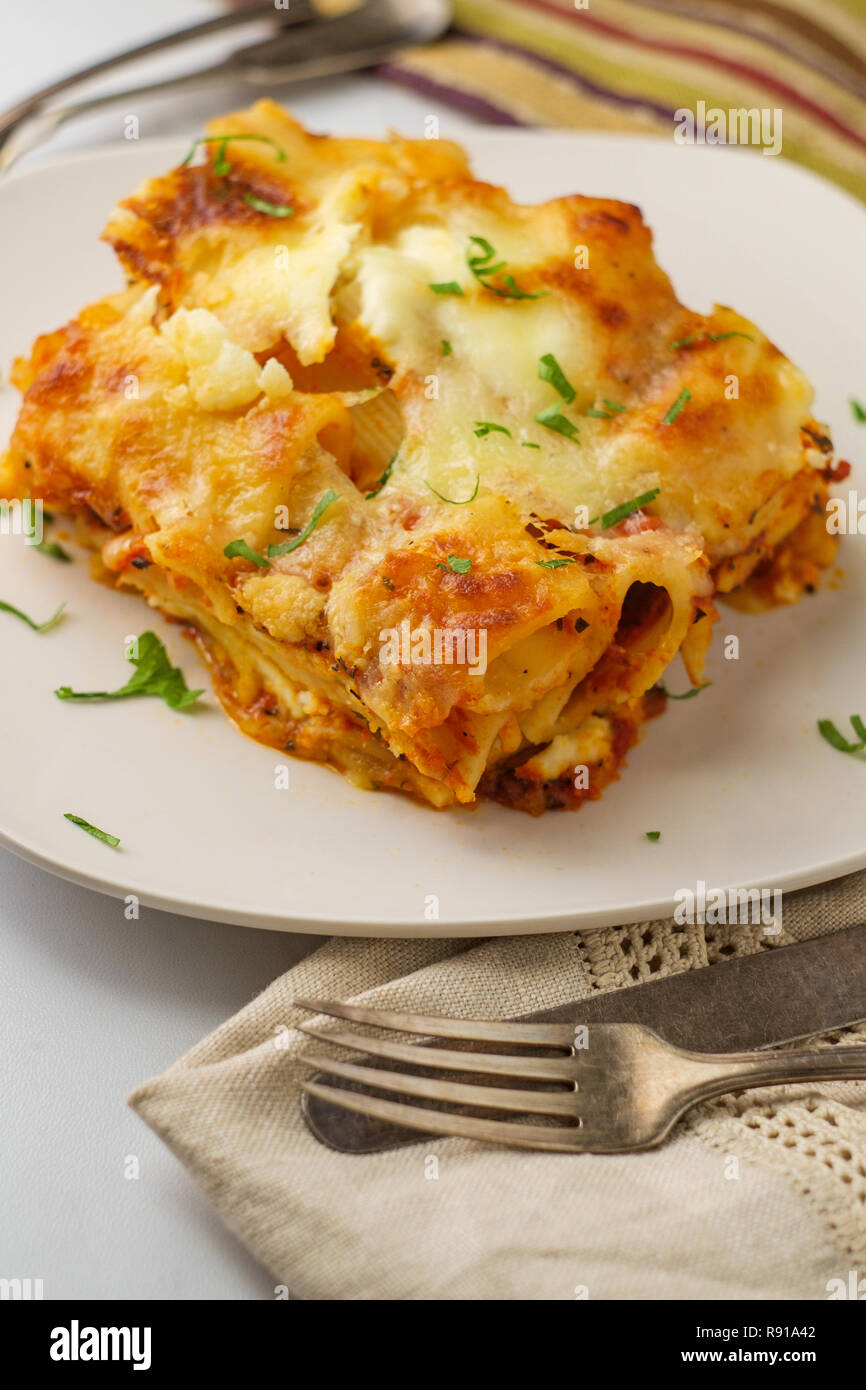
column 760, row 1195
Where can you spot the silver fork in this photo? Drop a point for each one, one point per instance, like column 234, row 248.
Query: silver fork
column 606, row 1088
column 303, row 44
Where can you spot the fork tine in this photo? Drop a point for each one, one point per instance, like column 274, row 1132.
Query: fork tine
column 455, row 1126
column 470, row 1030
column 452, row 1092
column 443, row 1059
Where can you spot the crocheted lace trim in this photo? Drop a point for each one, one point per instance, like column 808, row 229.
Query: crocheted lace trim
column 815, row 1136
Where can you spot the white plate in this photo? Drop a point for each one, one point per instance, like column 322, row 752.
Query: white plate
column 739, row 783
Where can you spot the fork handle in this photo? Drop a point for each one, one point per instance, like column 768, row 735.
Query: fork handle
column 722, row 1072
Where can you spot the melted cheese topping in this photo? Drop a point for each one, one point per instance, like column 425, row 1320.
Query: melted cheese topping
column 351, row 346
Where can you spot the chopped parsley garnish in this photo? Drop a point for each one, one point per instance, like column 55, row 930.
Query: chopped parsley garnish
column 454, row 502
column 709, row 338
column 550, row 370
column 154, row 675
column 513, row 291
column 653, row 835
column 481, row 264
column 527, row 444
column 858, row 411
column 447, row 287
column 457, row 564
column 37, row 627
column 611, row 408
column 484, row 265
column 553, row 419
column 53, row 549
column 827, row 729
column 383, row 480
column 687, row 694
column 93, row 830
column 446, row 348
column 484, row 427
column 245, row 552
column 269, row 209
column 319, row 510
column 556, row 564
column 221, row 163
column 624, row 509
column 674, row 410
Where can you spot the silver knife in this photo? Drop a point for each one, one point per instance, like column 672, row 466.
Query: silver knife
column 756, row 1001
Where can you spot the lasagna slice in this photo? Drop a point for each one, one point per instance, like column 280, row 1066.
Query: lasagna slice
column 439, row 483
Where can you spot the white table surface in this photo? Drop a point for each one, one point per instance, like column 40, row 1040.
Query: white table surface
column 91, row 1004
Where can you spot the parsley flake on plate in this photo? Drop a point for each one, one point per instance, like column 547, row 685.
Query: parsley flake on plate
column 154, row 675
column 36, row 627
column 93, row 830
column 827, row 729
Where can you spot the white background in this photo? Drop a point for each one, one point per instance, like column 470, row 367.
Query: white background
column 90, row 1004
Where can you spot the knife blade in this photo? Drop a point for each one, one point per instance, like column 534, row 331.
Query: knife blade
column 747, row 1003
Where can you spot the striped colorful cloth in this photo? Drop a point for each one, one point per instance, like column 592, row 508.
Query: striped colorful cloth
column 628, row 65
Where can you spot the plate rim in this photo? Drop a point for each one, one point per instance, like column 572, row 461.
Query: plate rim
column 311, row 924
